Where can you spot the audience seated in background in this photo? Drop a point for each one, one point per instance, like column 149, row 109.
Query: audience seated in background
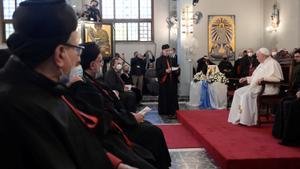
column 113, row 80
column 285, row 116
column 244, row 107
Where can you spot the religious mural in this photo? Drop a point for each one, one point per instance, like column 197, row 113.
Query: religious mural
column 221, row 36
column 100, row 33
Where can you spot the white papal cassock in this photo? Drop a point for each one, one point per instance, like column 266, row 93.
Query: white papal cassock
column 244, row 106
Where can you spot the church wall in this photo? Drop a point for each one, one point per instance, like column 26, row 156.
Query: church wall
column 248, row 17
column 288, row 34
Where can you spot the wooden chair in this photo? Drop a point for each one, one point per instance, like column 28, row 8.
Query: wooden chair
column 266, row 103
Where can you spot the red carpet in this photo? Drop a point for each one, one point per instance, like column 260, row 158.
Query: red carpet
column 178, row 136
column 238, row 147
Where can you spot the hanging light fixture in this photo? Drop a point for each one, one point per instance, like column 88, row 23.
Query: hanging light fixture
column 275, row 19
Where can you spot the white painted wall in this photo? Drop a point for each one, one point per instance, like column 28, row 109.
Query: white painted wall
column 288, row 34
column 249, row 22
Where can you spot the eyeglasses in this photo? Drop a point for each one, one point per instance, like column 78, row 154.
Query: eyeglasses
column 78, row 49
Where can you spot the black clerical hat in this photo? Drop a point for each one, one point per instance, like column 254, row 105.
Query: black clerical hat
column 40, row 26
column 89, row 54
column 165, row 46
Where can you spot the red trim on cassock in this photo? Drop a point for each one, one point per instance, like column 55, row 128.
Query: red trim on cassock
column 114, row 160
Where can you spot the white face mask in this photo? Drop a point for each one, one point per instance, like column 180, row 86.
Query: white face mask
column 76, row 71
column 99, row 74
column 65, row 78
column 250, row 54
column 274, row 53
column 119, row 67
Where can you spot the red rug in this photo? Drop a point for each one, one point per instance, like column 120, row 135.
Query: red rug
column 178, row 136
column 238, row 147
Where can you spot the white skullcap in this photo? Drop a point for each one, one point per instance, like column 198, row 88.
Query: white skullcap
column 264, row 51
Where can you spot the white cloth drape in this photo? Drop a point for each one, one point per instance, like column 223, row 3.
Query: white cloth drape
column 195, row 93
column 217, row 94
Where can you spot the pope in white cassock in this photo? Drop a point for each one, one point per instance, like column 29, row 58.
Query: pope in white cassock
column 244, row 106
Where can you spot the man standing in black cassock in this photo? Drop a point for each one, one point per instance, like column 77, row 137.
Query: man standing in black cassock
column 167, row 99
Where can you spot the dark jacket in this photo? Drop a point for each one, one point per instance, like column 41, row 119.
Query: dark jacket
column 296, row 77
column 202, row 65
column 113, row 80
column 38, row 129
column 138, row 66
column 245, row 64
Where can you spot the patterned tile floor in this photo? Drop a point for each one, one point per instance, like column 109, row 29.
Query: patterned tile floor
column 181, row 158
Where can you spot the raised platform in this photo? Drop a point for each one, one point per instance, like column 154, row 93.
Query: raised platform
column 238, row 147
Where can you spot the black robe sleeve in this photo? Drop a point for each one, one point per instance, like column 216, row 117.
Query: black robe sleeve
column 160, row 68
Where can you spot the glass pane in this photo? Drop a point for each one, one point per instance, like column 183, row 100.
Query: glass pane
column 19, row 1
column 108, row 9
column 133, row 33
column 127, row 9
column 145, row 9
column 121, row 31
column 145, row 31
column 9, row 29
column 8, row 8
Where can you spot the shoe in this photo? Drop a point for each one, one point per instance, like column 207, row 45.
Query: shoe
column 172, row 117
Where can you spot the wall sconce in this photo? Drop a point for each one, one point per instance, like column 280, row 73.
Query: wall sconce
column 187, row 19
column 274, row 19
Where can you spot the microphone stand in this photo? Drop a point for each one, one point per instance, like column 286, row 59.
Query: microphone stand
column 124, row 61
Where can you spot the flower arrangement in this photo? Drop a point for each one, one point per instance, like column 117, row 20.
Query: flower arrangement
column 217, row 77
column 199, row 76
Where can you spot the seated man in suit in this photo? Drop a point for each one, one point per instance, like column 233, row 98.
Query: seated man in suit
column 113, row 80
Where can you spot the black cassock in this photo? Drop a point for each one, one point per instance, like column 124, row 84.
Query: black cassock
column 226, row 67
column 144, row 134
column 167, row 99
column 38, row 129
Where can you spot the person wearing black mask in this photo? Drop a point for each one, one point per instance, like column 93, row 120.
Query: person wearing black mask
column 39, row 128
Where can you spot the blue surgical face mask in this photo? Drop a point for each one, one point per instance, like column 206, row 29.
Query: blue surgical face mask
column 76, row 71
column 65, row 78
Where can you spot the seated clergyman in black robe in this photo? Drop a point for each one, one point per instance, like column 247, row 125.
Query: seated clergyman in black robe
column 286, row 118
column 38, row 128
column 138, row 130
